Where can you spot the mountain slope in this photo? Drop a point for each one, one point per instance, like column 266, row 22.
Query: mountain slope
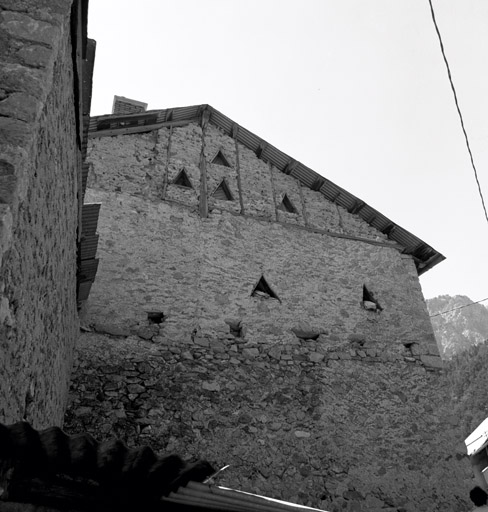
column 459, row 329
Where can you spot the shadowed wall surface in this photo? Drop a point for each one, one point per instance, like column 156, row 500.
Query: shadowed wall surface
column 39, row 170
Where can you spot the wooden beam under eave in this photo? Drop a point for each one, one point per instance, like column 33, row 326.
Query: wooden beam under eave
column 205, row 118
column 203, row 203
column 317, row 184
column 137, row 129
column 357, row 207
column 169, row 115
column 235, row 130
column 261, row 149
column 414, row 248
column 290, row 166
column 389, row 230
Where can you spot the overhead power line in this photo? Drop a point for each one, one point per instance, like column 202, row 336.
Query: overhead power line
column 458, row 109
column 459, row 307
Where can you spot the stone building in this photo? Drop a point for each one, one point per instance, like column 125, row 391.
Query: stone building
column 249, row 311
column 46, row 64
column 219, row 233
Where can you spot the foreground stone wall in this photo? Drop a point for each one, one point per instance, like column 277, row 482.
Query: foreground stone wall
column 340, row 428
column 39, row 169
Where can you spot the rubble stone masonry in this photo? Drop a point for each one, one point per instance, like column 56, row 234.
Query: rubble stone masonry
column 39, row 169
column 309, row 396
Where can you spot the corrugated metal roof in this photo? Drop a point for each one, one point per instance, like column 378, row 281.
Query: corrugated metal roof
column 424, row 255
column 478, row 439
column 89, row 218
column 222, row 498
column 84, row 291
column 88, row 247
column 88, row 270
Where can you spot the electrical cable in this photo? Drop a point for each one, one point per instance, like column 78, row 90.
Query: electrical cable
column 459, row 307
column 458, row 108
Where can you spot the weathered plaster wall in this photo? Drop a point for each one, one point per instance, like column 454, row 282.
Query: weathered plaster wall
column 39, row 169
column 351, row 420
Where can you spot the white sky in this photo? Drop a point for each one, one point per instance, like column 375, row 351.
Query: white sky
column 357, row 90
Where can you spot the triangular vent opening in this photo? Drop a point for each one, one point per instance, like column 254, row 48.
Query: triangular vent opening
column 182, row 180
column 262, row 289
column 220, row 159
column 369, row 302
column 286, row 205
column 222, row 192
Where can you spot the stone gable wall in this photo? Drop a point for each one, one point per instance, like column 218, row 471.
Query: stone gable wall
column 308, row 396
column 39, row 169
column 201, row 272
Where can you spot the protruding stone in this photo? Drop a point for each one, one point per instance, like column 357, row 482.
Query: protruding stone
column 210, row 386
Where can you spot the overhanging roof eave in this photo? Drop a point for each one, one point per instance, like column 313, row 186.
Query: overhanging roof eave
column 424, row 255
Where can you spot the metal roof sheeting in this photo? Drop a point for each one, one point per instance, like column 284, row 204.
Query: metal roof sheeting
column 221, row 498
column 424, row 255
column 87, row 250
column 478, row 439
column 89, row 218
column 88, row 247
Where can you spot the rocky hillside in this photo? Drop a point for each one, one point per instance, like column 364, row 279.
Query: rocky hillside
column 460, row 329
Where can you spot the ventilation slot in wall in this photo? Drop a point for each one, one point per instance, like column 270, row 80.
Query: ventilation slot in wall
column 235, row 328
column 286, row 205
column 155, row 317
column 220, row 159
column 263, row 290
column 369, row 302
column 222, row 192
column 183, row 180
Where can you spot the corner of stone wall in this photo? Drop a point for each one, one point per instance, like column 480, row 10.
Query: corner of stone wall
column 36, row 84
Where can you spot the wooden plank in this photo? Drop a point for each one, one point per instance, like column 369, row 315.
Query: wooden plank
column 238, row 170
column 203, row 206
column 138, row 129
column 205, row 117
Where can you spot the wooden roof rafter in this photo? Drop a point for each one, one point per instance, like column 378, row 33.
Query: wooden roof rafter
column 358, row 206
column 261, row 149
column 317, row 184
column 290, row 166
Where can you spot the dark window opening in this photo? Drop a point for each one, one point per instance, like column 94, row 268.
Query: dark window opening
column 183, row 180
column 235, row 328
column 222, row 192
column 369, row 302
column 220, row 160
column 262, row 289
column 155, row 317
column 286, row 205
